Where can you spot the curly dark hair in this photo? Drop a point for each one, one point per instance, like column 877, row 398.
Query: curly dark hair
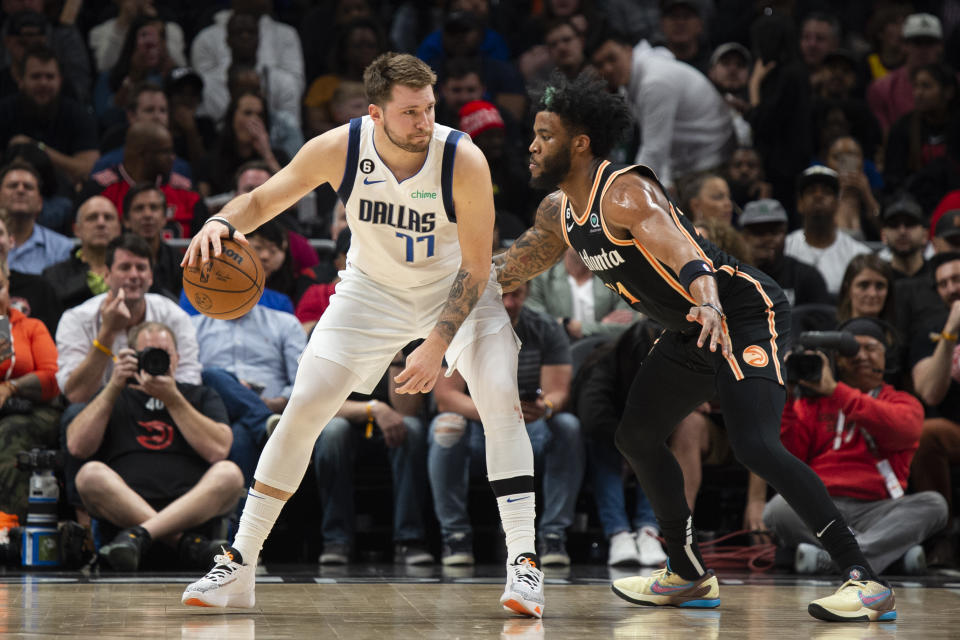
column 586, row 107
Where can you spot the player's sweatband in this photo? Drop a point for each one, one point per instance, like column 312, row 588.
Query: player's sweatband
column 232, row 229
column 693, row 270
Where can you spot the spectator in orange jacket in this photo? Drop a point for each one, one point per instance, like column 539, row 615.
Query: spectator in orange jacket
column 28, row 385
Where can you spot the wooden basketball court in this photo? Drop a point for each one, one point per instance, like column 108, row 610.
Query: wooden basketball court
column 379, row 602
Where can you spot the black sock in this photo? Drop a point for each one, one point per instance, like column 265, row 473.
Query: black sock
column 681, row 540
column 837, row 538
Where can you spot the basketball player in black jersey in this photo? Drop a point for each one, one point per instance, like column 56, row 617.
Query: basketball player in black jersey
column 726, row 333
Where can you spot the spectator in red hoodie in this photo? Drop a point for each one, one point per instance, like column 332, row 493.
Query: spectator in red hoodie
column 148, row 158
column 859, row 435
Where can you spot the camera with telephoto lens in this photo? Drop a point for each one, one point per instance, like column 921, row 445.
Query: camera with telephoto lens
column 808, row 366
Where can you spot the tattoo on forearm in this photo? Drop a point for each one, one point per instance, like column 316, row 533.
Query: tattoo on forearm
column 464, row 293
column 538, row 249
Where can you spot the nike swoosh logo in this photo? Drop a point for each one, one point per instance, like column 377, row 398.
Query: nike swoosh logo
column 369, row 181
column 822, row 531
column 517, row 499
column 656, row 587
column 869, row 600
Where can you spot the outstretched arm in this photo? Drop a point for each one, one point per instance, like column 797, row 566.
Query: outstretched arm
column 539, row 248
column 320, row 160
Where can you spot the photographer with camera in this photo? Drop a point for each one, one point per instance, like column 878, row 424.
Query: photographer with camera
column 28, row 385
column 859, row 435
column 457, row 446
column 156, row 455
column 89, row 335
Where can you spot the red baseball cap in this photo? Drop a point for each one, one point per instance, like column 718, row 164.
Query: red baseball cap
column 479, row 116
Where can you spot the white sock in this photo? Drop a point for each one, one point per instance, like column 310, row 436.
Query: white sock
column 517, row 513
column 259, row 514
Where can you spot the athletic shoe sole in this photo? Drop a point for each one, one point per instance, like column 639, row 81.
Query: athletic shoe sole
column 235, row 600
column 664, row 601
column 523, row 607
column 863, row 615
column 121, row 558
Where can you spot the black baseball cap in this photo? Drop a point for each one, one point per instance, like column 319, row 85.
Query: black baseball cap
column 903, row 206
column 866, row 326
column 841, row 55
column 181, row 76
column 667, row 5
column 731, row 47
column 818, row 174
column 940, row 259
column 948, row 226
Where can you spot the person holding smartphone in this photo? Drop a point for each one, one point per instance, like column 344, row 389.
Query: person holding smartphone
column 28, row 387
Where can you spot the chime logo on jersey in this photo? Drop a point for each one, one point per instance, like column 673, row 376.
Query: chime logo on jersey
column 397, row 216
column 755, row 356
column 602, row 261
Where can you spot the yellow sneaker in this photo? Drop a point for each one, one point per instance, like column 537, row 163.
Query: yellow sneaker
column 857, row 600
column 665, row 588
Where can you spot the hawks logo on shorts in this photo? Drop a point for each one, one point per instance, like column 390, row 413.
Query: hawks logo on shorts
column 755, row 356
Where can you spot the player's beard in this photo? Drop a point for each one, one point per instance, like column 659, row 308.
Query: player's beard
column 410, row 147
column 553, row 169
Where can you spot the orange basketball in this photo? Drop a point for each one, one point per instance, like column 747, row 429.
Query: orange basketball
column 227, row 286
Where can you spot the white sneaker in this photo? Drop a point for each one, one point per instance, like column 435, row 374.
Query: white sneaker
column 649, row 547
column 229, row 584
column 915, row 561
column 524, row 591
column 623, row 550
column 809, row 558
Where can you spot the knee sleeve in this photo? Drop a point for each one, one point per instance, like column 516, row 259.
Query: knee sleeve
column 448, row 429
column 509, row 453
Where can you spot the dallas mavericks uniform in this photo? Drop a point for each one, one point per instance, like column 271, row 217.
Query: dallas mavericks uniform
column 404, row 254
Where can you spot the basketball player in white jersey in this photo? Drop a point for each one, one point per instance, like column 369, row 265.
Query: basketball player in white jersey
column 419, row 203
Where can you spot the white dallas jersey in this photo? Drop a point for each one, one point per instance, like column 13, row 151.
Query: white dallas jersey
column 402, row 233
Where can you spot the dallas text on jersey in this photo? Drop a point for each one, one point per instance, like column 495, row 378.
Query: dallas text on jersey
column 397, row 216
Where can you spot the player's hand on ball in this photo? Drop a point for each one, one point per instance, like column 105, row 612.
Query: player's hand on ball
column 206, row 243
column 712, row 328
column 422, row 370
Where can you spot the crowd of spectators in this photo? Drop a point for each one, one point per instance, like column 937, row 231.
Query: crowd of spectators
column 816, row 141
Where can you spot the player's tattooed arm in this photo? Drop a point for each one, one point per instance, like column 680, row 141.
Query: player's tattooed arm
column 463, row 296
column 539, row 248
